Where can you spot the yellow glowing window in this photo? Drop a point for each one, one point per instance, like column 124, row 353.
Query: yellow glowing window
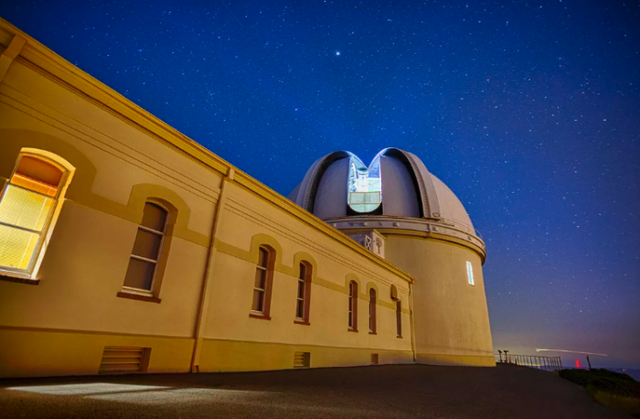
column 26, row 208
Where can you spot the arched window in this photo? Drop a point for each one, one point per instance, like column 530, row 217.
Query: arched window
column 147, row 249
column 353, row 306
column 30, row 203
column 303, row 297
column 399, row 318
column 262, row 283
column 372, row 311
column 364, row 185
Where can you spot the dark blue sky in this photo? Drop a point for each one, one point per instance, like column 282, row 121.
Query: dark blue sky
column 528, row 110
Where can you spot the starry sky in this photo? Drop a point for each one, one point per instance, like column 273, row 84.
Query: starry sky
column 528, row 110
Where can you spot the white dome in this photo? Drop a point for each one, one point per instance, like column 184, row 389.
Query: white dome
column 396, row 183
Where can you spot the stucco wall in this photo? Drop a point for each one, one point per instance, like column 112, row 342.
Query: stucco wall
column 450, row 315
column 247, row 221
column 61, row 325
column 89, row 251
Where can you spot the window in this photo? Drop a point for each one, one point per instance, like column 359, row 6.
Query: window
column 364, row 185
column 262, row 283
column 372, row 311
column 470, row 273
column 353, row 306
column 304, row 293
column 30, row 202
column 399, row 318
column 147, row 248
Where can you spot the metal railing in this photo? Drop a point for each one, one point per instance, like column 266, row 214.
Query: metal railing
column 547, row 363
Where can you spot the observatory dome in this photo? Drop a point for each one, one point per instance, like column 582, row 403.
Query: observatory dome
column 395, row 184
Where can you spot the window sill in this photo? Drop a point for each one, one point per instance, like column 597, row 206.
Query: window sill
column 373, row 333
column 302, row 322
column 259, row 316
column 138, row 297
column 399, row 337
column 9, row 278
column 352, row 330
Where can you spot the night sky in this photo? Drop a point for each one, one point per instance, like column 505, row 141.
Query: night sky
column 528, row 110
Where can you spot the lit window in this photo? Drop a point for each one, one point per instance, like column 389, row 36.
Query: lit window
column 372, row 311
column 262, row 283
column 353, row 306
column 147, row 248
column 304, row 293
column 470, row 273
column 364, row 185
column 29, row 204
column 399, row 318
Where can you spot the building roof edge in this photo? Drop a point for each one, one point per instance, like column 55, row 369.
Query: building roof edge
column 57, row 68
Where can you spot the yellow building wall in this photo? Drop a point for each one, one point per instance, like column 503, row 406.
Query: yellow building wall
column 451, row 318
column 29, row 352
column 246, row 221
column 61, row 325
column 223, row 355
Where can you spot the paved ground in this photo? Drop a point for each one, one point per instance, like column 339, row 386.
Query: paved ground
column 393, row 391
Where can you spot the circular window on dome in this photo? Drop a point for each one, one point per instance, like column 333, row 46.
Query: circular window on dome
column 365, row 186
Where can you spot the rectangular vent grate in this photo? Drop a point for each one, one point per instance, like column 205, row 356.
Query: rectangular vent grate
column 302, row 360
column 375, row 360
column 124, row 359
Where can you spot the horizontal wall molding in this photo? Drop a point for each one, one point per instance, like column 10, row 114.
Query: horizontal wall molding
column 129, row 335
column 44, row 114
column 243, row 210
column 89, row 332
column 290, row 271
column 304, row 345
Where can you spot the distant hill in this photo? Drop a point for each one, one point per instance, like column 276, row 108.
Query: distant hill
column 635, row 373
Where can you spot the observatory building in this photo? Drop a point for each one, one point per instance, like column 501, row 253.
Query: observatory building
column 400, row 211
column 127, row 247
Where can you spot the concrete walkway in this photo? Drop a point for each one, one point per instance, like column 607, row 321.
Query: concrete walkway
column 392, row 391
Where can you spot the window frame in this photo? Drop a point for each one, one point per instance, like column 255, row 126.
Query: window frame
column 373, row 321
column 304, row 278
column 399, row 318
column 30, row 274
column 470, row 279
column 265, row 314
column 158, row 269
column 353, row 307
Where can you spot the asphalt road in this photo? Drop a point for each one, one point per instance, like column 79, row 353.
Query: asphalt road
column 390, row 391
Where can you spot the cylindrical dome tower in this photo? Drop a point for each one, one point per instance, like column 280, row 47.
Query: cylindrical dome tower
column 419, row 225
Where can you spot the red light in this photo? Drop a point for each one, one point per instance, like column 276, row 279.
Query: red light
column 577, row 364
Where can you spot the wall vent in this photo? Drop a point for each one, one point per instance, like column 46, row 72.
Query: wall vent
column 375, row 359
column 302, row 360
column 124, row 359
